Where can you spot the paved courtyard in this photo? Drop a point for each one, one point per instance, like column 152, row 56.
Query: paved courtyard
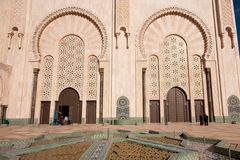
column 222, row 131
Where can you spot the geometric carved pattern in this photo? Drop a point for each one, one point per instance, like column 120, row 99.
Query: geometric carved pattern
column 123, row 108
column 197, row 77
column 70, row 64
column 154, row 77
column 233, row 100
column 160, row 24
column 74, row 11
column 47, row 78
column 18, row 15
column 234, row 108
column 122, row 14
column 227, row 16
column 92, row 77
column 174, row 64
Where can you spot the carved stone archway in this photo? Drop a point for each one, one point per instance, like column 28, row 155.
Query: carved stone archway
column 69, row 103
column 64, row 12
column 204, row 43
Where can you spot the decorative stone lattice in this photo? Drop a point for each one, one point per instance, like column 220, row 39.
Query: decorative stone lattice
column 122, row 14
column 92, row 77
column 47, row 78
column 227, row 15
column 154, row 77
column 197, row 78
column 122, row 108
column 18, row 14
column 174, row 64
column 70, row 64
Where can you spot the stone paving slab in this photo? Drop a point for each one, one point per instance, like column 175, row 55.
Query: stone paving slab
column 228, row 132
column 224, row 147
column 103, row 138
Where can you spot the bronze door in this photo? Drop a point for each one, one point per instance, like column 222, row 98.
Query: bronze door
column 154, row 111
column 3, row 111
column 76, row 113
column 180, row 102
column 91, row 112
column 45, row 112
column 187, row 112
column 177, row 106
column 199, row 109
column 172, row 106
column 69, row 97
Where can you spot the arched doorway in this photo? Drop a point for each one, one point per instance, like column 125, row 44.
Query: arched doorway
column 177, row 107
column 70, row 105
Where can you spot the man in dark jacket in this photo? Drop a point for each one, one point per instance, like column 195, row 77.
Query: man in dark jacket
column 205, row 117
column 201, row 119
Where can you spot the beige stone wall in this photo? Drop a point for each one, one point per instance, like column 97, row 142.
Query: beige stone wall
column 124, row 56
column 13, row 55
column 227, row 59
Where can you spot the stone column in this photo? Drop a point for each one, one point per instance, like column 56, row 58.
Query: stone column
column 101, row 70
column 143, row 94
column 34, row 93
column 209, row 94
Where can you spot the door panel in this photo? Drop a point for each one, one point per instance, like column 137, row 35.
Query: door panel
column 172, row 109
column 91, row 112
column 80, row 112
column 3, row 111
column 199, row 109
column 154, row 111
column 180, row 103
column 187, row 112
column 177, row 106
column 45, row 112
column 75, row 114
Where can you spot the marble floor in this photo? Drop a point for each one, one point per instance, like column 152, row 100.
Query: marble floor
column 222, row 131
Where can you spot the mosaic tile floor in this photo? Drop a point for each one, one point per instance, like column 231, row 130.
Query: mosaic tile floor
column 94, row 142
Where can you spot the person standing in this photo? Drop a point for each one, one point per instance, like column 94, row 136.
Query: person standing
column 205, row 117
column 65, row 120
column 201, row 119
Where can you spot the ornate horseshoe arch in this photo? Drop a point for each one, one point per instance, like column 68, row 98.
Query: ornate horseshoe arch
column 64, row 12
column 204, row 34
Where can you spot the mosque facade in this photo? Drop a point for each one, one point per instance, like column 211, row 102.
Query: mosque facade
column 118, row 61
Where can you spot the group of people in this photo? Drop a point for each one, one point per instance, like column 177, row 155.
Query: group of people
column 59, row 119
column 203, row 119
